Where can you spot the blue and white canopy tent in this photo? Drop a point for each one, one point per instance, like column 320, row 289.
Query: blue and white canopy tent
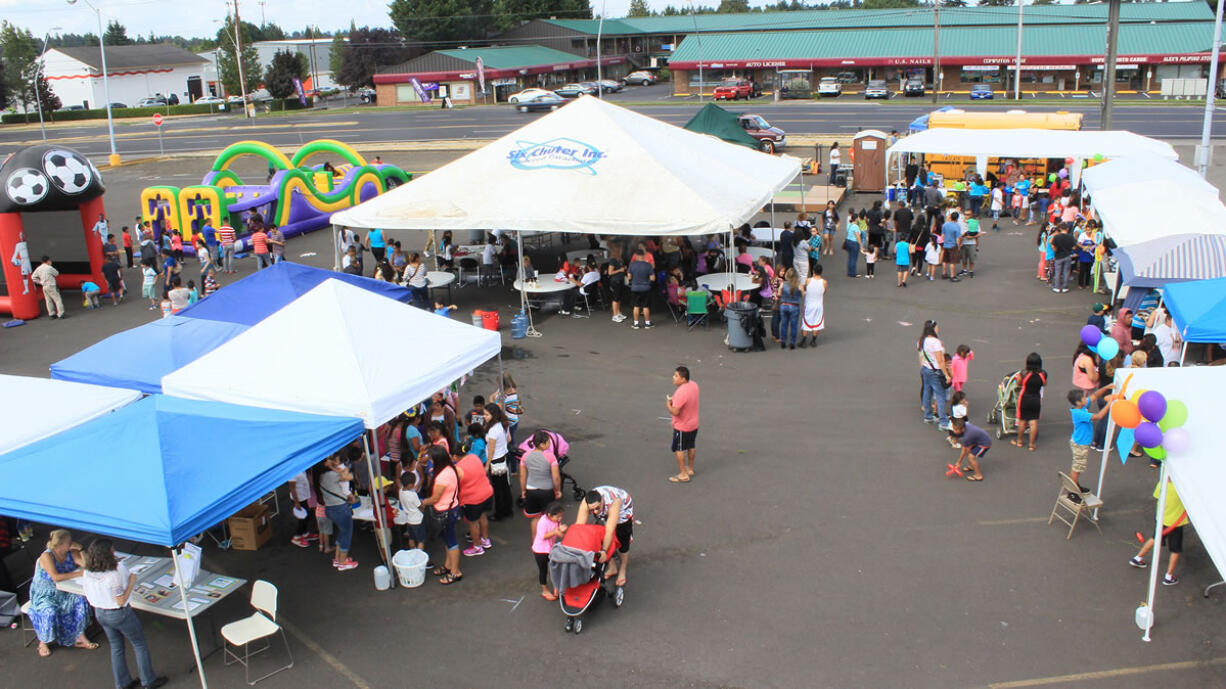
column 1198, row 309
column 172, row 486
column 35, row 408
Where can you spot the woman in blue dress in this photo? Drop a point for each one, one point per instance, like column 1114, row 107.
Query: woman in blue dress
column 58, row 616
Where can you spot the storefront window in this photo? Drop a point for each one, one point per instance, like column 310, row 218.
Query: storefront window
column 976, row 74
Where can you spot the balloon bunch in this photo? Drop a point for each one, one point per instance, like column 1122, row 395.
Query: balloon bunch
column 1152, row 421
column 1106, row 347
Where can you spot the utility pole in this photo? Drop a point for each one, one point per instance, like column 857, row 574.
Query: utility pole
column 1017, row 75
column 936, row 51
column 698, row 37
column 1202, row 151
column 1113, row 35
column 238, row 60
column 599, row 67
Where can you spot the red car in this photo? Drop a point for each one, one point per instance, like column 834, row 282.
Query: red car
column 732, row 89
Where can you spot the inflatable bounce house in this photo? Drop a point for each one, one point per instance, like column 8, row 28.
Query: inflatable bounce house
column 297, row 198
column 52, row 199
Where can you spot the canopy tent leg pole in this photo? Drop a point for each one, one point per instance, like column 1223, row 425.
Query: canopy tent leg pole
column 523, row 293
column 376, row 499
column 774, row 242
column 187, row 612
column 430, row 247
column 336, row 247
column 1157, row 552
column 802, row 190
column 1102, row 466
column 1183, row 353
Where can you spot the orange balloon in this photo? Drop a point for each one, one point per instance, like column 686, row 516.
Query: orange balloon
column 1125, row 414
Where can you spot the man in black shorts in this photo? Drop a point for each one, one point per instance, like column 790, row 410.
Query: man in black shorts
column 642, row 275
column 612, row 506
column 615, row 273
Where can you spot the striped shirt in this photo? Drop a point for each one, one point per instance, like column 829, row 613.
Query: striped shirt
column 226, row 234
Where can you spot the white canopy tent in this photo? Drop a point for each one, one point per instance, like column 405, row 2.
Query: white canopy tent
column 319, row 355
column 982, row 144
column 1199, row 474
column 591, row 167
column 1144, row 169
column 35, row 408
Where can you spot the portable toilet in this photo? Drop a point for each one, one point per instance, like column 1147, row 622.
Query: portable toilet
column 868, row 160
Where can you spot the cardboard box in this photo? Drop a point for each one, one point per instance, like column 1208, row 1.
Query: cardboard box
column 250, row 528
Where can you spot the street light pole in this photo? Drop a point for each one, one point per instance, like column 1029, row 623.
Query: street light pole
column 238, row 60
column 698, row 38
column 599, row 67
column 1113, row 39
column 1017, row 76
column 106, row 82
column 1202, row 151
column 936, row 51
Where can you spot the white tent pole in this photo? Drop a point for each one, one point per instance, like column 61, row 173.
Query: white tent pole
column 802, row 189
column 187, row 612
column 774, row 237
column 1102, row 466
column 1184, row 351
column 376, row 497
column 523, row 286
column 336, row 247
column 1157, row 552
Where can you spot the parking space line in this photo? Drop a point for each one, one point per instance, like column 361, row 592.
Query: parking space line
column 1109, row 674
column 328, row 658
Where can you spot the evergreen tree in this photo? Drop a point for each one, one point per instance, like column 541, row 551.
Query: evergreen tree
column 369, row 49
column 271, row 32
column 733, row 6
column 442, row 21
column 336, row 55
column 638, row 8
column 20, row 53
column 116, row 34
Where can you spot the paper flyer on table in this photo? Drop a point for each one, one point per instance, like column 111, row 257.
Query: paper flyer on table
column 189, row 563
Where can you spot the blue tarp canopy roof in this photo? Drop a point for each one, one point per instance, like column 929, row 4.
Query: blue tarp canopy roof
column 164, row 469
column 1198, row 309
column 258, row 296
column 920, row 123
column 138, row 358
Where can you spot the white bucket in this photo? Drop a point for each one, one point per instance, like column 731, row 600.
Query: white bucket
column 383, row 579
column 410, row 567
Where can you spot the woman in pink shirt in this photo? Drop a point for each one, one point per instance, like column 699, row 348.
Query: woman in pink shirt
column 445, row 500
column 548, row 530
column 476, row 501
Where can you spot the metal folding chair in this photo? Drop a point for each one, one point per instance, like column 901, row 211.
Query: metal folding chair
column 1085, row 505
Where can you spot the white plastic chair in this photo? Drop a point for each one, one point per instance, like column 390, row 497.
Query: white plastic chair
column 27, row 625
column 261, row 625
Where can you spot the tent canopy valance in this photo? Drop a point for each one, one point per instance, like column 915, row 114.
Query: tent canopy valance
column 590, row 167
column 1031, row 143
column 1174, row 258
column 320, row 355
column 35, row 408
column 163, row 469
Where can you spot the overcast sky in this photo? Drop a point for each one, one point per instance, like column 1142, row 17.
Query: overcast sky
column 173, row 16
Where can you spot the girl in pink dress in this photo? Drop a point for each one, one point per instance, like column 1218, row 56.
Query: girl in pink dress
column 960, row 365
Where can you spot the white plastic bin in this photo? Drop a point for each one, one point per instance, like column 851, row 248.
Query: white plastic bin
column 410, row 567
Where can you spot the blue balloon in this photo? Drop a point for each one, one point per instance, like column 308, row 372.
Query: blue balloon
column 1107, row 348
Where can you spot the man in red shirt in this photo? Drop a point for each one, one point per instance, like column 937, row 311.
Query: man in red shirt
column 259, row 246
column 225, row 235
column 683, row 405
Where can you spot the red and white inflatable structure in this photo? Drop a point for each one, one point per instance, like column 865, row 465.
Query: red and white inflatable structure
column 50, row 204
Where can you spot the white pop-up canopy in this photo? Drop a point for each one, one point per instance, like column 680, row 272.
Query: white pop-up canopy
column 320, row 355
column 1148, row 170
column 35, row 408
column 590, row 167
column 1032, row 143
column 1199, row 473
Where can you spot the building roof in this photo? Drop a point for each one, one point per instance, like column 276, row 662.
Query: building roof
column 509, row 57
column 956, row 42
column 1130, row 12
column 132, row 56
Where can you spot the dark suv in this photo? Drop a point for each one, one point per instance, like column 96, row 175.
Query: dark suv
column 913, row 87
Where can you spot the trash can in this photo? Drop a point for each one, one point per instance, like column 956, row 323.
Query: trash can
column 740, row 316
column 410, row 567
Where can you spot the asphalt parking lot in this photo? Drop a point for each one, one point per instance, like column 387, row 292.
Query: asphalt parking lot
column 820, row 544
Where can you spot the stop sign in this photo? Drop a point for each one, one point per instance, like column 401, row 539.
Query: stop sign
column 157, row 119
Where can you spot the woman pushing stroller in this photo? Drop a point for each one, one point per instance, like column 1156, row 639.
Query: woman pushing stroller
column 612, row 506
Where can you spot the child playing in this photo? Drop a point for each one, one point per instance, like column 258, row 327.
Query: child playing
column 548, row 530
column 193, row 294
column 410, row 506
column 1174, row 517
column 210, row 281
column 166, row 307
column 975, row 444
column 959, row 365
column 902, row 259
column 932, row 258
column 957, row 410
column 1083, row 431
column 304, row 503
column 443, row 310
column 870, row 261
column 148, row 284
column 92, row 292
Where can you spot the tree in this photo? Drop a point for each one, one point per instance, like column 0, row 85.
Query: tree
column 270, row 32
column 446, row 21
column 227, row 67
column 733, row 6
column 116, row 34
column 638, row 8
column 336, row 55
column 369, row 49
column 284, row 68
column 20, row 52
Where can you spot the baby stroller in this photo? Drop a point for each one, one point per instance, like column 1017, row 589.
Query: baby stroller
column 561, row 450
column 577, row 572
column 1005, row 411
